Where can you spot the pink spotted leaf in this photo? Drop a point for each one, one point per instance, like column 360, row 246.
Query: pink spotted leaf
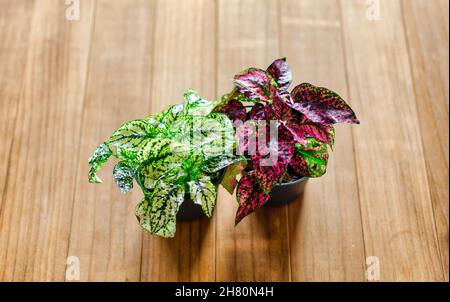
column 255, row 84
column 270, row 167
column 321, row 105
column 250, row 196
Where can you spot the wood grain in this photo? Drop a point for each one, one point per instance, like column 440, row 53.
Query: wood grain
column 257, row 249
column 184, row 57
column 14, row 34
column 426, row 27
column 104, row 235
column 36, row 206
column 326, row 237
column 66, row 85
column 396, row 207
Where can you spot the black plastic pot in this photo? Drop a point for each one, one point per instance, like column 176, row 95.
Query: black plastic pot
column 287, row 192
column 189, row 210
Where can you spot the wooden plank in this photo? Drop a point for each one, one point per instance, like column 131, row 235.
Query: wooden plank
column 395, row 198
column 37, row 200
column 105, row 234
column 426, row 24
column 257, row 249
column 326, row 237
column 184, row 57
column 15, row 28
column 57, row 107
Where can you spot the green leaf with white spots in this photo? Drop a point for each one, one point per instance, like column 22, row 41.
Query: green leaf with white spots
column 157, row 211
column 96, row 161
column 168, row 116
column 131, row 136
column 220, row 162
column 151, row 173
column 192, row 165
column 160, row 152
column 203, row 192
column 127, row 157
column 214, row 135
column 153, row 120
column 228, row 132
column 157, row 148
column 181, row 130
column 196, row 105
column 123, row 176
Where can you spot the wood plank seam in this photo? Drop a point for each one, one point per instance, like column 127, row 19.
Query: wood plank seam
column 216, row 86
column 16, row 123
column 190, row 255
column 406, row 240
column 5, row 185
column 87, row 78
column 355, row 154
column 36, row 253
column 286, row 208
column 152, row 62
column 325, row 225
column 34, row 220
column 256, row 250
column 411, row 68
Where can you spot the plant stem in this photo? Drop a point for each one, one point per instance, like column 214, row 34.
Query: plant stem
column 231, row 93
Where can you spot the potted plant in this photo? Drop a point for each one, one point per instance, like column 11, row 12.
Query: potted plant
column 284, row 135
column 177, row 158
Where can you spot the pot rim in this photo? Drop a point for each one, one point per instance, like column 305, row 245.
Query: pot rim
column 283, row 183
column 286, row 183
column 292, row 182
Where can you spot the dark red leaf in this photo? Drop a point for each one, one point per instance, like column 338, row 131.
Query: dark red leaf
column 258, row 112
column 299, row 165
column 268, row 172
column 271, row 160
column 321, row 105
column 250, row 196
column 297, row 132
column 247, row 138
column 280, row 146
column 281, row 72
column 234, row 109
column 281, row 110
column 286, row 144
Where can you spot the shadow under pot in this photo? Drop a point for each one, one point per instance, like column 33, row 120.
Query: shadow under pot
column 287, row 192
column 188, row 209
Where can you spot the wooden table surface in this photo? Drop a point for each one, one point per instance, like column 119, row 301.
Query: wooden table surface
column 66, row 84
